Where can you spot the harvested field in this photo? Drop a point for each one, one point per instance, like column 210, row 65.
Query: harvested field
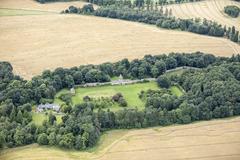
column 34, row 43
column 33, row 5
column 209, row 140
column 209, row 9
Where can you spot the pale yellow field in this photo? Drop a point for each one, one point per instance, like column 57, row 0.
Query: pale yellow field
column 33, row 43
column 209, row 9
column 209, row 140
column 38, row 42
column 33, row 5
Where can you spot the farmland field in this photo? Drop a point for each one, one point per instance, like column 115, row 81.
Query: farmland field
column 33, row 5
column 209, row 9
column 47, row 42
column 20, row 12
column 208, row 140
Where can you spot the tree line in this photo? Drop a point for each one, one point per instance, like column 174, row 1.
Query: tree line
column 210, row 93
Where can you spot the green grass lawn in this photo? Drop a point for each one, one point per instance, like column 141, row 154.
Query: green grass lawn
column 177, row 91
column 20, row 12
column 129, row 92
column 38, row 118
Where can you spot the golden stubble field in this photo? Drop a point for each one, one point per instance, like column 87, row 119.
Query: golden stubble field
column 33, row 43
column 33, row 5
column 209, row 9
column 208, row 140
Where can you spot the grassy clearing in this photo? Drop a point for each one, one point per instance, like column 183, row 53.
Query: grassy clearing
column 38, row 118
column 129, row 92
column 176, row 90
column 176, row 72
column 20, row 12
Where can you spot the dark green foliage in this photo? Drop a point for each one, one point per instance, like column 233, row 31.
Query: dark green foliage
column 2, row 140
column 67, row 98
column 232, row 11
column 163, row 81
column 51, row 118
column 42, row 139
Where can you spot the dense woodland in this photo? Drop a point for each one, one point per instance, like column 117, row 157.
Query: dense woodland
column 212, row 92
column 161, row 18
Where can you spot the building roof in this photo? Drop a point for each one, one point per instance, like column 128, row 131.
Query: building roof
column 49, row 106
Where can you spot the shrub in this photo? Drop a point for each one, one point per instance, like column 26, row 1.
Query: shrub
column 42, row 139
column 163, row 81
column 232, row 11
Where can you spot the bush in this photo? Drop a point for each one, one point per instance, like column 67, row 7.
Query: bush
column 163, row 81
column 232, row 11
column 42, row 139
column 116, row 97
column 122, row 102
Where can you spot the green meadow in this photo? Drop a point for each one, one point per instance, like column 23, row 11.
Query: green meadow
column 130, row 93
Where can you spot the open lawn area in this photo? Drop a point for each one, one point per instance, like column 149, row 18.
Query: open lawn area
column 177, row 91
column 38, row 118
column 129, row 92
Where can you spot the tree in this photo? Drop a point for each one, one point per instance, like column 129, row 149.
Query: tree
column 171, row 63
column 52, row 139
column 78, row 78
column 161, row 66
column 42, row 139
column 163, row 81
column 19, row 117
column 122, row 102
column 67, row 141
column 51, row 118
column 2, row 140
column 19, row 137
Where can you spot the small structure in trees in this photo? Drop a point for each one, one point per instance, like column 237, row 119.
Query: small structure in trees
column 72, row 91
column 43, row 107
